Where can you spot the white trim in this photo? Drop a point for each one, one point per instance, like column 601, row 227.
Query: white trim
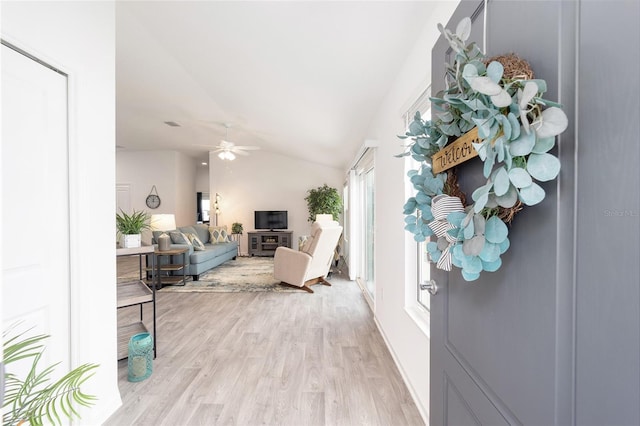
column 424, row 411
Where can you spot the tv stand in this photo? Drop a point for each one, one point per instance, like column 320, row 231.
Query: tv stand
column 265, row 243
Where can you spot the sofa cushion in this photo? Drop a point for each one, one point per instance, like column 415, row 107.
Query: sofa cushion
column 178, row 237
column 197, row 244
column 202, row 231
column 211, row 251
column 186, row 230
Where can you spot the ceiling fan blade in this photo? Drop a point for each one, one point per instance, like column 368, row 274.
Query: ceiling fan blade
column 247, row 147
column 239, row 151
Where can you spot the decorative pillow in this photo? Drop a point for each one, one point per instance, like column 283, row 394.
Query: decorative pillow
column 197, row 244
column 219, row 234
column 178, row 237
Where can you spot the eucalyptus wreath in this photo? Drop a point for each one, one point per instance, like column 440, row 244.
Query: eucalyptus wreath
column 516, row 128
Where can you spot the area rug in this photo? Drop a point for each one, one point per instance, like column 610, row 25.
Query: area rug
column 244, row 274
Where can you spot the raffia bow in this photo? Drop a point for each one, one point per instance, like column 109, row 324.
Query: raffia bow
column 441, row 207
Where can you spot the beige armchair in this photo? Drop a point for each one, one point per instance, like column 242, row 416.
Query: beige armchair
column 311, row 264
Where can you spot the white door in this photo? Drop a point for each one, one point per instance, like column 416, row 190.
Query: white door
column 35, row 201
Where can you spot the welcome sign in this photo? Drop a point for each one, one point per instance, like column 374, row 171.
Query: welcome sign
column 456, row 152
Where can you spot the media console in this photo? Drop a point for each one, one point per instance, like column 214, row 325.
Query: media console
column 265, row 243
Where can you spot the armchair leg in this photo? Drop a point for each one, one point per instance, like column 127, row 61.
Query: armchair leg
column 304, row 287
column 307, row 285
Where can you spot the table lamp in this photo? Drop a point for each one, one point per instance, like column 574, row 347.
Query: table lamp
column 163, row 222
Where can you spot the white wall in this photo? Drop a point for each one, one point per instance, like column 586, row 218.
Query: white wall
column 173, row 174
column 79, row 38
column 394, row 250
column 202, row 178
column 267, row 181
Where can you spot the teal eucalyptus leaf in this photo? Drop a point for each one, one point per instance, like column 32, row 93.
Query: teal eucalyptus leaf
column 504, row 246
column 490, row 252
column 509, row 199
column 532, row 195
column 492, row 266
column 468, row 276
column 481, row 149
column 489, row 162
column 502, row 99
column 523, row 145
column 422, row 198
column 410, row 206
column 485, row 86
column 501, row 183
column 495, row 230
column 473, row 246
column 519, row 177
column 469, row 231
column 472, row 264
column 479, row 223
column 515, row 126
column 506, row 126
column 552, row 122
column 495, row 71
column 543, row 167
column 543, row 144
column 416, row 128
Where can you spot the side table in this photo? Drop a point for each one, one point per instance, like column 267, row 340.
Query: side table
column 135, row 293
column 169, row 267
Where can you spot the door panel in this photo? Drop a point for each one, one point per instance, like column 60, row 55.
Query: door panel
column 552, row 337
column 35, row 208
column 494, row 340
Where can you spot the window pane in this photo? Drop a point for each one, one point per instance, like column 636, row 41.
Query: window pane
column 423, row 105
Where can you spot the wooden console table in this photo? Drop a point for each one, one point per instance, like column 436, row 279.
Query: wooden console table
column 265, row 243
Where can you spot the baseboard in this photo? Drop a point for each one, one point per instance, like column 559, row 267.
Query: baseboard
column 421, row 409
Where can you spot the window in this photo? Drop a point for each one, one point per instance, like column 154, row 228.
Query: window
column 418, row 303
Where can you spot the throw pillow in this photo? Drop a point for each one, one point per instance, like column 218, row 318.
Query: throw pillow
column 178, row 237
column 197, row 244
column 218, row 234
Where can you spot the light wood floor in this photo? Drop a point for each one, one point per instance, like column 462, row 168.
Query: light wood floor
column 266, row 359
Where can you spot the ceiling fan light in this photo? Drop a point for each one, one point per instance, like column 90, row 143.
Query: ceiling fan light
column 226, row 155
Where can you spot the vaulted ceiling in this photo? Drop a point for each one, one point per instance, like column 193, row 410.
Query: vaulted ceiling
column 304, row 78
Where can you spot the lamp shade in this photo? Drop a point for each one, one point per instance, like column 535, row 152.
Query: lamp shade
column 163, row 222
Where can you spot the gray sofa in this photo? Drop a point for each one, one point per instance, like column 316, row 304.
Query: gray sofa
column 199, row 261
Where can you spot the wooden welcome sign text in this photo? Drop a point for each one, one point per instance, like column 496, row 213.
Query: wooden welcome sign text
column 456, row 152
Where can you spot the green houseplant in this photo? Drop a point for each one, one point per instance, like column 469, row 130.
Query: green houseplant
column 33, row 399
column 323, row 200
column 236, row 228
column 130, row 226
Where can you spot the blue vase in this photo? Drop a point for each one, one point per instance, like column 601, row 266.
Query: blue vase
column 140, row 362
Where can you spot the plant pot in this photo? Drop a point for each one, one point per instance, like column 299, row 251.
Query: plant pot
column 131, row 240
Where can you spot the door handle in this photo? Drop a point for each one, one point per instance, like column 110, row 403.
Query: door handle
column 430, row 286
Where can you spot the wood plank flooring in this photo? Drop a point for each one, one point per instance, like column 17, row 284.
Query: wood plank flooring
column 266, row 359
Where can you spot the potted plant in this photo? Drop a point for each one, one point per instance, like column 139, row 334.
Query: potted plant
column 32, row 399
column 130, row 227
column 324, row 200
column 236, row 228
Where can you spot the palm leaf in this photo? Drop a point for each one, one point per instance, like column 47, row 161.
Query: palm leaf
column 31, row 399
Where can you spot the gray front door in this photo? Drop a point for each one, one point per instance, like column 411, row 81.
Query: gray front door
column 552, row 338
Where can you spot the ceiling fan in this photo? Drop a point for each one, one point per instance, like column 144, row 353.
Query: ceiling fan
column 227, row 150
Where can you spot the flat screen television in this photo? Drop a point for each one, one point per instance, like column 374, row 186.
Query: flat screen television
column 271, row 219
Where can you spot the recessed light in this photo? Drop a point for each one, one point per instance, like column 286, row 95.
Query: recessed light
column 204, row 164
column 171, row 124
